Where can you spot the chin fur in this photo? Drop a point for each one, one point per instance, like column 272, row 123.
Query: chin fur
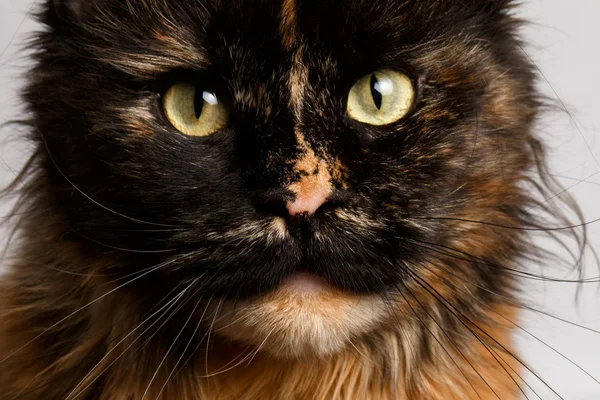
column 292, row 324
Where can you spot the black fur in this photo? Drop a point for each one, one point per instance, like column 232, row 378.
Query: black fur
column 197, row 189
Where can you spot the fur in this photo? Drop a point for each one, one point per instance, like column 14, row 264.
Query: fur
column 150, row 264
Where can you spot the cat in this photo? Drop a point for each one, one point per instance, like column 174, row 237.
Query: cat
column 292, row 199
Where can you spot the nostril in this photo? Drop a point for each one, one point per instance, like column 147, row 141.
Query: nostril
column 336, row 199
column 273, row 203
column 294, row 207
column 317, row 202
column 327, row 206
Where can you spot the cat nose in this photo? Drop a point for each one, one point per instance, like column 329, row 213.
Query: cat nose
column 308, row 201
column 311, row 191
column 289, row 205
column 303, row 211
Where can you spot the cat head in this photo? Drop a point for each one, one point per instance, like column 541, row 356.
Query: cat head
column 316, row 166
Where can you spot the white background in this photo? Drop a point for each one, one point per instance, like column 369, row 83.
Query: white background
column 563, row 41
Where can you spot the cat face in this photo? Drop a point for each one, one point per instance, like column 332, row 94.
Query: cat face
column 312, row 165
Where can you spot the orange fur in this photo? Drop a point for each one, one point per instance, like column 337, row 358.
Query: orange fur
column 315, row 177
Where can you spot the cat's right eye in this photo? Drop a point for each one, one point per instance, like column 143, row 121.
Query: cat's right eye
column 194, row 111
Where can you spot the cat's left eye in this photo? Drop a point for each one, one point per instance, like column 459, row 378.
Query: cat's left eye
column 195, row 111
column 381, row 97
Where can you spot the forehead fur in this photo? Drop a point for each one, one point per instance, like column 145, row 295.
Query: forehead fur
column 149, row 37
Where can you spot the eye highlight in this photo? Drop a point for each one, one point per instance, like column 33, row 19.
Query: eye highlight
column 194, row 111
column 381, row 98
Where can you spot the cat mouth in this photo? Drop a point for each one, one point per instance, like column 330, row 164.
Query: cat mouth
column 305, row 282
column 346, row 251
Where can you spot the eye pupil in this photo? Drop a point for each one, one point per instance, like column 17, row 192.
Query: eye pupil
column 198, row 102
column 377, row 96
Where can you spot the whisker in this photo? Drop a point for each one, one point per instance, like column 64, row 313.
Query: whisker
column 565, row 190
column 363, row 356
column 108, row 343
column 491, row 351
column 159, row 266
column 184, row 350
column 108, row 246
column 51, row 381
column 175, row 311
column 169, row 349
column 201, row 340
column 516, row 228
column 26, row 261
column 457, row 314
column 440, row 343
column 260, row 346
column 33, row 4
column 209, row 332
column 22, row 213
column 142, row 271
column 575, row 179
column 145, row 230
column 88, row 197
column 169, row 304
column 479, row 260
column 249, row 357
column 564, row 106
column 517, row 304
column 446, row 281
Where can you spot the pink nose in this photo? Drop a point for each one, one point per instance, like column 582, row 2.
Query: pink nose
column 308, row 201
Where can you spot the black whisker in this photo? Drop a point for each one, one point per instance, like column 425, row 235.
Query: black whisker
column 463, row 256
column 516, row 228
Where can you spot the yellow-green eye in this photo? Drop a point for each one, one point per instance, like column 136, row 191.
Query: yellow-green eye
column 381, row 97
column 194, row 111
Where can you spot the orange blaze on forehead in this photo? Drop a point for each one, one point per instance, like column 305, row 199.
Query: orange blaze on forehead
column 291, row 42
column 288, row 24
column 315, row 172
